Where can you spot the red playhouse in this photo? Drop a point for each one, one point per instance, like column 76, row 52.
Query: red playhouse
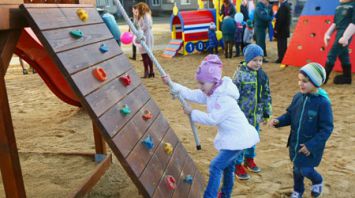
column 307, row 43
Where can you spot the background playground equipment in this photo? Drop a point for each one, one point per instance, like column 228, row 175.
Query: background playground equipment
column 102, row 98
column 307, row 43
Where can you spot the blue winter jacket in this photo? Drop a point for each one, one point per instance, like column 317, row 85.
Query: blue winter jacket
column 311, row 120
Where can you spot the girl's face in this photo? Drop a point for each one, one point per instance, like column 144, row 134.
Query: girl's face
column 135, row 12
column 205, row 87
column 305, row 84
column 255, row 63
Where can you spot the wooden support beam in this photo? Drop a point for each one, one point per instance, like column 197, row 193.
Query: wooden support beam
column 11, row 16
column 100, row 146
column 91, row 181
column 9, row 163
column 8, row 41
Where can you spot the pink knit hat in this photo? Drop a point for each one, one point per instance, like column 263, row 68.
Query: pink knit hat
column 210, row 69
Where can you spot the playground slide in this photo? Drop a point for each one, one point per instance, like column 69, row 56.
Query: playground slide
column 30, row 49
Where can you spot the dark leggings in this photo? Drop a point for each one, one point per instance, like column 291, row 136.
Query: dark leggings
column 228, row 48
column 148, row 64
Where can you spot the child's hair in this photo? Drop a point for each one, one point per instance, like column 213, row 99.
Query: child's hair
column 142, row 8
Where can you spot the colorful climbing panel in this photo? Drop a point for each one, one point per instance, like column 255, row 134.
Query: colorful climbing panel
column 307, row 43
column 116, row 100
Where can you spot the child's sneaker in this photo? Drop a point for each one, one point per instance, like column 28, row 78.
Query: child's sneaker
column 316, row 190
column 296, row 195
column 250, row 164
column 220, row 195
column 241, row 173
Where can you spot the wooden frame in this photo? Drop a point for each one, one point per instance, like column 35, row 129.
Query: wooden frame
column 10, row 29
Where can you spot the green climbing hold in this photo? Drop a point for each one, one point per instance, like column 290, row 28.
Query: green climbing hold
column 76, row 33
column 125, row 110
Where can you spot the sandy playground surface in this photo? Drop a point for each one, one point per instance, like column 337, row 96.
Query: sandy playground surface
column 43, row 123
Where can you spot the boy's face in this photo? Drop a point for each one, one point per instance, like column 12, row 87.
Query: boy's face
column 305, row 84
column 255, row 63
column 205, row 87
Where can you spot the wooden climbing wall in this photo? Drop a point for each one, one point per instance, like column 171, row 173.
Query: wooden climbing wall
column 77, row 58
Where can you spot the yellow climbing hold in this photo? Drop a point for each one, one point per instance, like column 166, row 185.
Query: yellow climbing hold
column 168, row 148
column 82, row 14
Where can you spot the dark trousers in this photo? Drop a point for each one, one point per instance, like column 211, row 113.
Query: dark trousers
column 228, row 49
column 299, row 173
column 238, row 48
column 211, row 49
column 260, row 36
column 148, row 65
column 134, row 52
column 281, row 47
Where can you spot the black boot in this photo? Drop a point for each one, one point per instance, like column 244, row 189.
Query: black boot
column 328, row 70
column 345, row 78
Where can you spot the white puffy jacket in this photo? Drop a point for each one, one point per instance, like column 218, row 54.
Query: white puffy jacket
column 234, row 130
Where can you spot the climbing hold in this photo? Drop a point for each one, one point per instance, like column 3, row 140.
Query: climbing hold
column 82, row 14
column 76, row 33
column 148, row 142
column 103, row 48
column 125, row 110
column 188, row 179
column 125, row 80
column 99, row 74
column 168, row 148
column 171, row 182
column 147, row 115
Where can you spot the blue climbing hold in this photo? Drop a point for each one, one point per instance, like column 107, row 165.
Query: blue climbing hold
column 76, row 33
column 103, row 48
column 148, row 142
column 188, row 179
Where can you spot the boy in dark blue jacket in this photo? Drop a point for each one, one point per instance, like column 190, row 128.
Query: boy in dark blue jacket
column 311, row 118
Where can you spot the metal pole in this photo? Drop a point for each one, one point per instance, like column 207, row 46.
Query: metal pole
column 162, row 73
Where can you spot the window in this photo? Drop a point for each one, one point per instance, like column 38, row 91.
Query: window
column 185, row 2
column 168, row 1
column 155, row 2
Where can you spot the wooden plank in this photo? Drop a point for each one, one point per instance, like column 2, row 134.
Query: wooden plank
column 64, row 17
column 140, row 156
column 197, row 186
column 92, row 180
column 91, row 55
column 100, row 146
column 8, row 41
column 113, row 120
column 61, row 40
column 171, row 138
column 114, row 92
column 183, row 188
column 172, row 169
column 133, row 131
column 11, row 16
column 151, row 170
column 10, row 163
column 87, row 83
column 151, row 177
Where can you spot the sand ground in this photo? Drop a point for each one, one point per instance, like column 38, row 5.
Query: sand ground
column 43, row 123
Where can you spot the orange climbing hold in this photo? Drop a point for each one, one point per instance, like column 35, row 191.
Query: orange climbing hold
column 147, row 115
column 171, row 182
column 125, row 80
column 99, row 74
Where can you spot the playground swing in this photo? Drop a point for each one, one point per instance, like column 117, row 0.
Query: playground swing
column 141, row 40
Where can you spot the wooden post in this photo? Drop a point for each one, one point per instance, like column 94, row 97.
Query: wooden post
column 100, row 147
column 9, row 163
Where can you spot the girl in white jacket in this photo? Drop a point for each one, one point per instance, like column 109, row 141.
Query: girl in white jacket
column 234, row 131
